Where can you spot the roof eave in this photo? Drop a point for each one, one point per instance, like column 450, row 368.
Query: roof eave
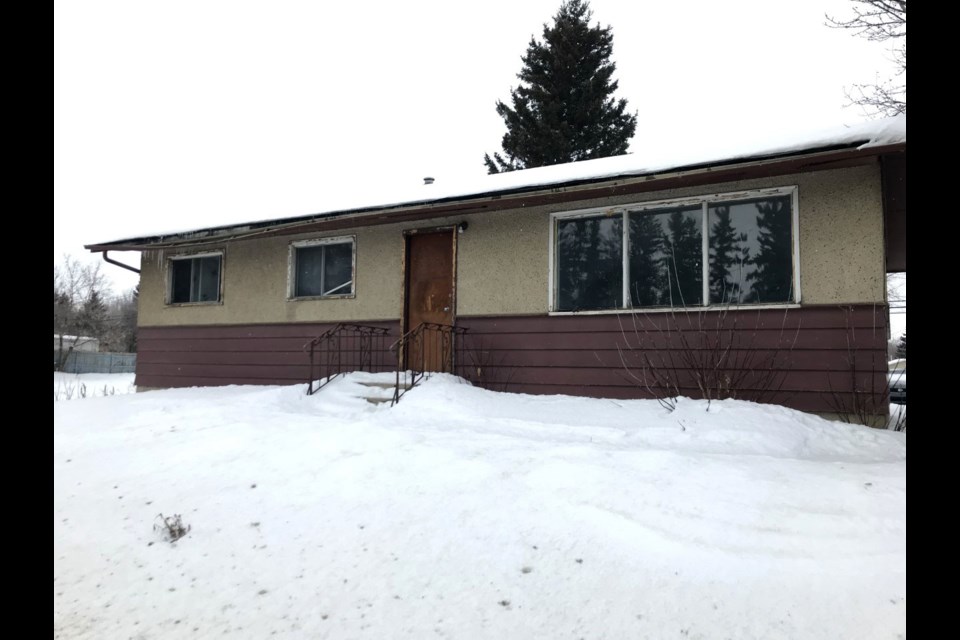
column 442, row 206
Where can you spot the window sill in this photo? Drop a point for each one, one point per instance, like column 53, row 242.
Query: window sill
column 306, row 298
column 194, row 304
column 714, row 308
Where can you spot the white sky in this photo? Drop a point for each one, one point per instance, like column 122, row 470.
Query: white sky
column 196, row 111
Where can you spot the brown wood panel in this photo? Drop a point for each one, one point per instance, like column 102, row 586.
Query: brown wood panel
column 222, row 331
column 539, row 354
column 180, row 381
column 807, row 317
column 797, row 359
column 599, row 340
column 619, row 376
column 172, row 338
column 294, row 373
column 235, row 358
column 223, row 344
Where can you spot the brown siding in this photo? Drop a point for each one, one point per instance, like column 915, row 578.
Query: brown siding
column 578, row 355
column 596, row 354
column 214, row 355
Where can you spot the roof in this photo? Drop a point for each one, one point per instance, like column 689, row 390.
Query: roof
column 884, row 134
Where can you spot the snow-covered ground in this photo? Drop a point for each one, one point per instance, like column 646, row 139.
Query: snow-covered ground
column 75, row 386
column 465, row 513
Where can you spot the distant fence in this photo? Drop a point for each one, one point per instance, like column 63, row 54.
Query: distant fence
column 87, row 362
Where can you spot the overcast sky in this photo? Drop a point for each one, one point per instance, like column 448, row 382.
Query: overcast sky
column 196, row 112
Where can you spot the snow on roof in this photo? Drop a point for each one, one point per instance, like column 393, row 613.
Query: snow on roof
column 723, row 148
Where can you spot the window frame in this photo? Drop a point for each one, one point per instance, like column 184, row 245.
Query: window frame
column 168, row 278
column 316, row 242
column 705, row 200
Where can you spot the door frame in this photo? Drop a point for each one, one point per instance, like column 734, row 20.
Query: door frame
column 404, row 272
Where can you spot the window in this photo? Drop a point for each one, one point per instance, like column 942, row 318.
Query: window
column 713, row 250
column 195, row 279
column 322, row 268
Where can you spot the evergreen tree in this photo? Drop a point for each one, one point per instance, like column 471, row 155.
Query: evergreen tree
column 92, row 317
column 902, row 346
column 564, row 111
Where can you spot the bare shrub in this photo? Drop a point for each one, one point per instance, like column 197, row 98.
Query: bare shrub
column 708, row 352
column 171, row 527
column 484, row 366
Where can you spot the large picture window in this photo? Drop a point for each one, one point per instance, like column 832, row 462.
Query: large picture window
column 194, row 279
column 715, row 250
column 322, row 268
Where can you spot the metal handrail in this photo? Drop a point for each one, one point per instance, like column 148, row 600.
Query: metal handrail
column 344, row 348
column 433, row 339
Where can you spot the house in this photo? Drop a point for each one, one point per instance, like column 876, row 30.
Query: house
column 588, row 278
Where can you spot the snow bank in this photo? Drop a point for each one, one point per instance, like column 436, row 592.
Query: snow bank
column 471, row 514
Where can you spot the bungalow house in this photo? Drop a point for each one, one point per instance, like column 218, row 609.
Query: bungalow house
column 756, row 271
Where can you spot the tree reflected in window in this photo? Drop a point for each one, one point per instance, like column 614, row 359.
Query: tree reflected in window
column 747, row 258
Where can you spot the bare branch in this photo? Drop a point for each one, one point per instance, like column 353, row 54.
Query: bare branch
column 876, row 20
column 879, row 21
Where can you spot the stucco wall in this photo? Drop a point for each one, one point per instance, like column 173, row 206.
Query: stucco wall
column 502, row 259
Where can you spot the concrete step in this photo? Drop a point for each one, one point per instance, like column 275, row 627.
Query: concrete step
column 386, row 385
column 378, row 384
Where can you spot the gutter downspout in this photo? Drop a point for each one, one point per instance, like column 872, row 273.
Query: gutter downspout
column 119, row 264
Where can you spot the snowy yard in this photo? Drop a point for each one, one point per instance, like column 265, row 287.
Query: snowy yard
column 76, row 386
column 464, row 513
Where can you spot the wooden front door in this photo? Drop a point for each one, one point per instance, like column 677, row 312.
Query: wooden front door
column 430, row 297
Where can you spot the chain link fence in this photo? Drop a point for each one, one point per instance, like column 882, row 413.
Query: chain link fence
column 87, row 362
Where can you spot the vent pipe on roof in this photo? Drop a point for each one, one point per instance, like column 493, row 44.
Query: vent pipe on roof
column 428, row 180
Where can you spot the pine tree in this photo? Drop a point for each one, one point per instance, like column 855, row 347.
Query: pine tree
column 92, row 317
column 902, row 346
column 564, row 111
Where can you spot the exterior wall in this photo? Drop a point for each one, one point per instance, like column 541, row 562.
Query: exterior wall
column 807, row 369
column 502, row 259
column 257, row 336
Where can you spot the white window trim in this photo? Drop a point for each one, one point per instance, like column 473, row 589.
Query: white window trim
column 168, row 278
column 703, row 200
column 314, row 242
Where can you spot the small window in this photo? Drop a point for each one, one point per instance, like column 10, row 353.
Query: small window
column 195, row 279
column 323, row 268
